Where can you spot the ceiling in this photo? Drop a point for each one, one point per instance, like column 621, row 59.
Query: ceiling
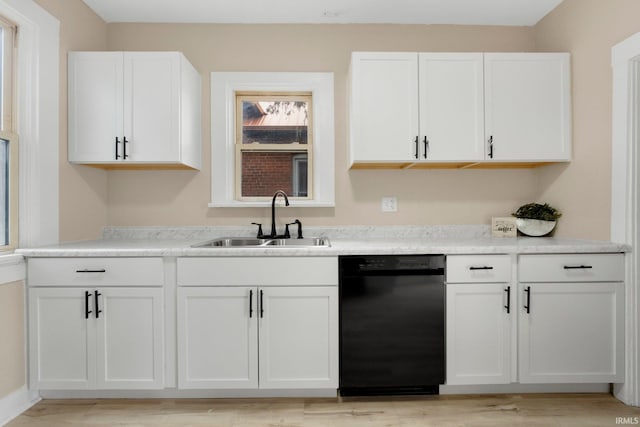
column 462, row 12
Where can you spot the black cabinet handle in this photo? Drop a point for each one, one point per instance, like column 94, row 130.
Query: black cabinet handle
column 508, row 306
column 261, row 304
column 87, row 312
column 117, row 142
column 527, row 305
column 577, row 267
column 484, row 267
column 125, row 156
column 426, row 146
column 98, row 311
column 417, row 148
column 250, row 304
column 491, row 147
column 86, row 270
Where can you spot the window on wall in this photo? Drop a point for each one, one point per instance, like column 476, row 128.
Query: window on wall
column 273, row 144
column 269, row 132
column 8, row 140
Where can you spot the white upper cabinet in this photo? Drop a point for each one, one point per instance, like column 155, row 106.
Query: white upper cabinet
column 451, row 107
column 384, row 107
column 96, row 102
column 131, row 109
column 527, row 106
column 459, row 109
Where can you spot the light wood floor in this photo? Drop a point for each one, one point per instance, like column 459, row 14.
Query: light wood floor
column 484, row 410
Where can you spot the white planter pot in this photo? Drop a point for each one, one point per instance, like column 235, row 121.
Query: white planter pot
column 534, row 227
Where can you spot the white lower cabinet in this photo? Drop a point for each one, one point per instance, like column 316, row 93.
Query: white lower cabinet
column 235, row 335
column 480, row 319
column 88, row 338
column 217, row 337
column 571, row 318
column 478, row 334
column 298, row 333
column 564, row 324
column 571, row 332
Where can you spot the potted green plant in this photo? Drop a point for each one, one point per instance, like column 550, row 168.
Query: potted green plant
column 535, row 219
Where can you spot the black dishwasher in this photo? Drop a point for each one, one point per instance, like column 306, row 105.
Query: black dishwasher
column 392, row 324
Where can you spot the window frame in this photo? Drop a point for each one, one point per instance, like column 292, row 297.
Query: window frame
column 273, row 148
column 296, row 175
column 7, row 131
column 12, row 190
column 224, row 86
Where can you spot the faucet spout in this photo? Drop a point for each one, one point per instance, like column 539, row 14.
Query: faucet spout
column 273, row 210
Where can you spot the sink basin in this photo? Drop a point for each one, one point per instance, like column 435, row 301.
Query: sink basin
column 231, row 242
column 309, row 241
column 251, row 242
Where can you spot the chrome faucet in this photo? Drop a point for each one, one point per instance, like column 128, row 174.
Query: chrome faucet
column 273, row 210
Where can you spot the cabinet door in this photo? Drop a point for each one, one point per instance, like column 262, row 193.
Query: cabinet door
column 384, row 107
column 527, row 107
column 451, row 106
column 299, row 337
column 217, row 337
column 130, row 338
column 95, row 105
column 61, row 339
column 479, row 328
column 152, row 106
column 571, row 333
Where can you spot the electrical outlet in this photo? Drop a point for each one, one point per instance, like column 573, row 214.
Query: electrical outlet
column 389, row 204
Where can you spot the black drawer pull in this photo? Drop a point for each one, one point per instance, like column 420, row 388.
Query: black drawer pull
column 527, row 305
column 125, row 156
column 101, row 270
column 426, row 147
column 261, row 304
column 576, row 267
column 250, row 304
column 508, row 306
column 87, row 312
column 98, row 311
column 485, row 267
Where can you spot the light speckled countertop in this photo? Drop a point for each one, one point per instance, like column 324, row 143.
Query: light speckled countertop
column 383, row 240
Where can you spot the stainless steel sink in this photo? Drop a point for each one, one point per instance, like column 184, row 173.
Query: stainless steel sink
column 251, row 242
column 309, row 241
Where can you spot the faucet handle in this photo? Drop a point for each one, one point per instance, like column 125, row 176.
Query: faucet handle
column 287, row 234
column 297, row 221
column 260, row 234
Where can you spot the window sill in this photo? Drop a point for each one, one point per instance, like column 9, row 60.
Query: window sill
column 12, row 268
column 267, row 203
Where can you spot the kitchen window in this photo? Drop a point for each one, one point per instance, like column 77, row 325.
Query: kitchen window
column 269, row 132
column 8, row 140
column 273, row 145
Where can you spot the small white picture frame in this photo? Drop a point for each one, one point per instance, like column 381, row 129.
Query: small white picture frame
column 504, row 226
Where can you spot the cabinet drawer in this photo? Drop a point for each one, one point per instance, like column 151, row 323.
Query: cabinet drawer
column 95, row 272
column 571, row 268
column 478, row 268
column 256, row 271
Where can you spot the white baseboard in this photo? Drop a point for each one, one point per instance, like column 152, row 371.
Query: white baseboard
column 173, row 393
column 524, row 388
column 16, row 403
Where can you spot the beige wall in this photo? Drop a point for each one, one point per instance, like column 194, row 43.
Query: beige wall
column 83, row 190
column 12, row 327
column 588, row 29
column 424, row 197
